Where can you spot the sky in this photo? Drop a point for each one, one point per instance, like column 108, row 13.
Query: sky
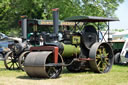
column 122, row 14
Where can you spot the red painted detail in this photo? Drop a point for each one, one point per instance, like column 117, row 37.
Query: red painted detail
column 56, row 50
column 42, row 48
column 56, row 9
column 85, row 59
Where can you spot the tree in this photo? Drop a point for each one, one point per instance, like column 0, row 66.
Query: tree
column 11, row 10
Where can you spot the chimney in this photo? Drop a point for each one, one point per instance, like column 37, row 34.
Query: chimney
column 24, row 27
column 56, row 20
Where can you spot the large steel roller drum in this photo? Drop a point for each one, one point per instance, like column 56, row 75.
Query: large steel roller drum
column 36, row 65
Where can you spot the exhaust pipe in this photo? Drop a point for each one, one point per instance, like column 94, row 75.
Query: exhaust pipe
column 24, row 27
column 56, row 20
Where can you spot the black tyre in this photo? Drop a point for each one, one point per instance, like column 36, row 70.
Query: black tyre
column 117, row 58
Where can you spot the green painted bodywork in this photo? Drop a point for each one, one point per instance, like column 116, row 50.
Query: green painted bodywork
column 70, row 50
column 117, row 45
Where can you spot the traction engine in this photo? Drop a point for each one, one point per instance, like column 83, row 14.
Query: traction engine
column 77, row 51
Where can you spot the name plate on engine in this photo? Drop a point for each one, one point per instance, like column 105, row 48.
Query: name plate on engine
column 75, row 39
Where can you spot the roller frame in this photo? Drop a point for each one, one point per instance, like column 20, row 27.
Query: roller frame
column 38, row 59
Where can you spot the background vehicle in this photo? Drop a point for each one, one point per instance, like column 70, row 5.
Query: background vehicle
column 119, row 45
column 5, row 44
column 11, row 46
column 120, row 48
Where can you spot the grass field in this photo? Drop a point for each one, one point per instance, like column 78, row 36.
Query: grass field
column 117, row 76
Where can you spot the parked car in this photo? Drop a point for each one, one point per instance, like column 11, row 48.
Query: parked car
column 6, row 43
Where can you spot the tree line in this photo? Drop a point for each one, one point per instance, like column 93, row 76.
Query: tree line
column 11, row 10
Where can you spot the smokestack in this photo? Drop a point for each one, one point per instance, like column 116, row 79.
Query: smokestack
column 56, row 20
column 24, row 27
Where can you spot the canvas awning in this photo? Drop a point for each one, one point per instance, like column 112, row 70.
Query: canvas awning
column 90, row 19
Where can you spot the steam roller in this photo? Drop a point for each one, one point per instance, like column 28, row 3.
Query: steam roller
column 47, row 61
column 77, row 51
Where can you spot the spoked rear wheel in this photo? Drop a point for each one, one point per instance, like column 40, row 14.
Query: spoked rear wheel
column 11, row 61
column 22, row 59
column 102, row 56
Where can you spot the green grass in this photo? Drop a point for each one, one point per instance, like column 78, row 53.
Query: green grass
column 117, row 76
column 9, row 73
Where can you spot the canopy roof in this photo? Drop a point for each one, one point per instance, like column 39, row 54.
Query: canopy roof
column 90, row 19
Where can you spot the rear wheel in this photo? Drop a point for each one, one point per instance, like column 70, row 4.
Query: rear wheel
column 22, row 59
column 11, row 61
column 102, row 56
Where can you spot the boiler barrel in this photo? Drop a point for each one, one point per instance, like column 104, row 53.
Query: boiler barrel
column 70, row 50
